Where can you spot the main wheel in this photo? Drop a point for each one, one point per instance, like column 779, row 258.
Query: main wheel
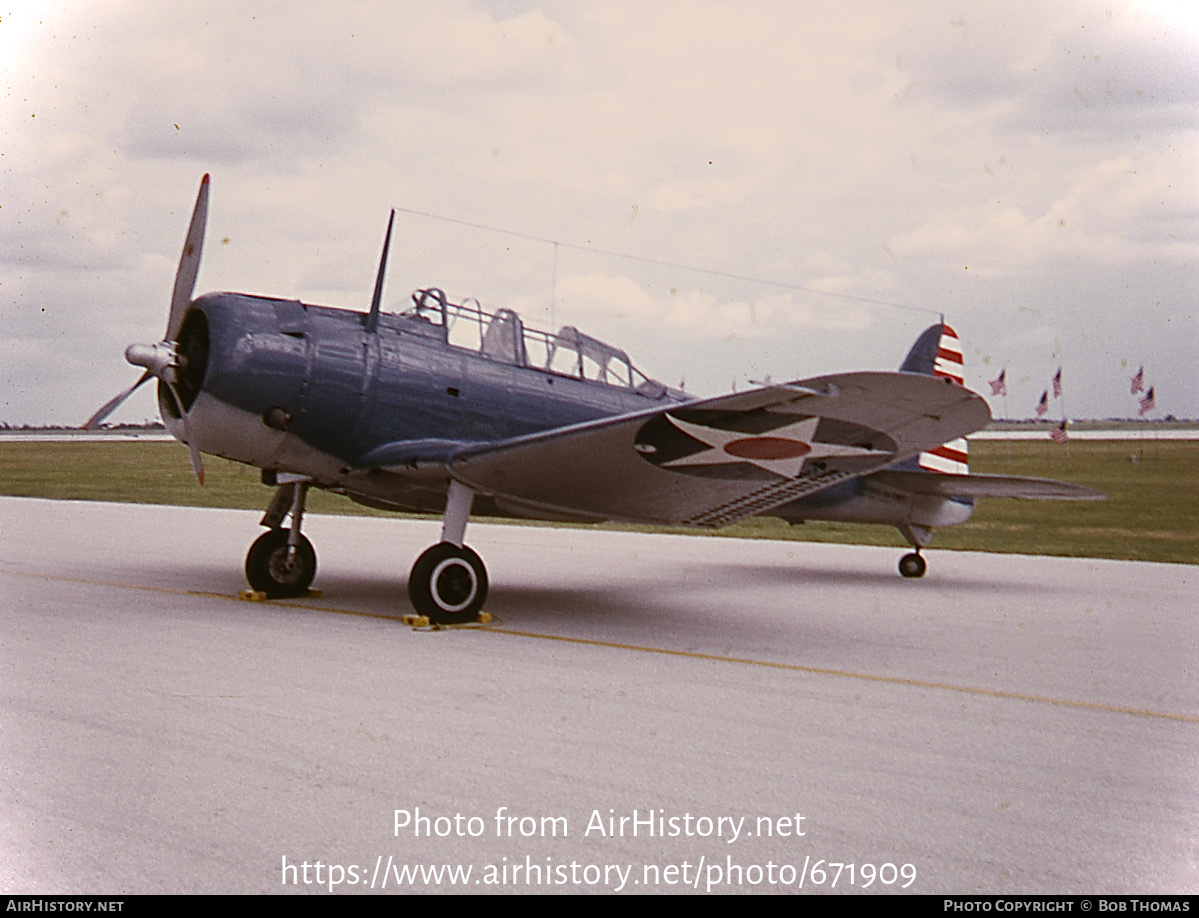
column 272, row 569
column 912, row 565
column 448, row 584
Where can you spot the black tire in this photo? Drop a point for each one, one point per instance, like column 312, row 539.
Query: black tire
column 448, row 584
column 912, row 565
column 268, row 570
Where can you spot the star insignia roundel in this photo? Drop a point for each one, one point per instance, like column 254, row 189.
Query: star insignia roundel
column 781, row 451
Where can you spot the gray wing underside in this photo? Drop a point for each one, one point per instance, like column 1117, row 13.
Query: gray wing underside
column 596, row 471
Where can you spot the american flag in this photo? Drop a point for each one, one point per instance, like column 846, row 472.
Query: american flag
column 1057, row 383
column 1058, row 434
column 1043, row 404
column 999, row 383
column 1138, row 381
column 1148, row 402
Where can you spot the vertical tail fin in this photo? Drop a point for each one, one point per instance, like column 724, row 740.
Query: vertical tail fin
column 937, row 352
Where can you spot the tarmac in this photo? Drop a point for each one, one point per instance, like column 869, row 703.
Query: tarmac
column 644, row 713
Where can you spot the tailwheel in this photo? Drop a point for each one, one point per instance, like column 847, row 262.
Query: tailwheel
column 448, row 584
column 277, row 569
column 912, row 565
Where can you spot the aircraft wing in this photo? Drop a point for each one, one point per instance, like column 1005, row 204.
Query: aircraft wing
column 713, row 461
column 970, row 486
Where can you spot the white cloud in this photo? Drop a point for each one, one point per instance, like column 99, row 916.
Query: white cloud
column 472, row 46
column 918, row 153
column 1115, row 212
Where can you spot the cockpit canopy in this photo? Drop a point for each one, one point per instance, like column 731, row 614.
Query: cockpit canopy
column 503, row 337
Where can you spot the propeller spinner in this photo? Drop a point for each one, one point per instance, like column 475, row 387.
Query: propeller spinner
column 163, row 361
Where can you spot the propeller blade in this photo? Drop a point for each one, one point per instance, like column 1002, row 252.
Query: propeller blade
column 189, row 263
column 113, row 404
column 192, row 453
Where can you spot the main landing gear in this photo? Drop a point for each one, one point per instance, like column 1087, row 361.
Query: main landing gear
column 282, row 562
column 448, row 583
column 912, row 565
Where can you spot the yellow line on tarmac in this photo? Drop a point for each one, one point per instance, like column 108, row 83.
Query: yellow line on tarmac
column 867, row 677
column 291, row 604
column 641, row 648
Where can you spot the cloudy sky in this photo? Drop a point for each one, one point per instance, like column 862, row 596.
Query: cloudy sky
column 801, row 188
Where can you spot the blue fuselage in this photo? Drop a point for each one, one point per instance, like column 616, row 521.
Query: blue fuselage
column 304, row 389
column 309, row 390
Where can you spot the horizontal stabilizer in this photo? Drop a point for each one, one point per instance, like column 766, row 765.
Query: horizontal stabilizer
column 971, row 486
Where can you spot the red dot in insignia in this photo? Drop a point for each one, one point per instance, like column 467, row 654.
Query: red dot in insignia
column 765, row 448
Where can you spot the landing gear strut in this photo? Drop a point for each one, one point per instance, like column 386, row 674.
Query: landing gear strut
column 912, row 565
column 282, row 562
column 448, row 583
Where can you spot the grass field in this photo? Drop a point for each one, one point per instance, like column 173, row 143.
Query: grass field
column 1152, row 511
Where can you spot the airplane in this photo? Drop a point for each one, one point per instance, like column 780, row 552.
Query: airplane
column 447, row 408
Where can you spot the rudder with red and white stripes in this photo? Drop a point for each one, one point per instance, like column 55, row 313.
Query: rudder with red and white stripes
column 951, row 458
